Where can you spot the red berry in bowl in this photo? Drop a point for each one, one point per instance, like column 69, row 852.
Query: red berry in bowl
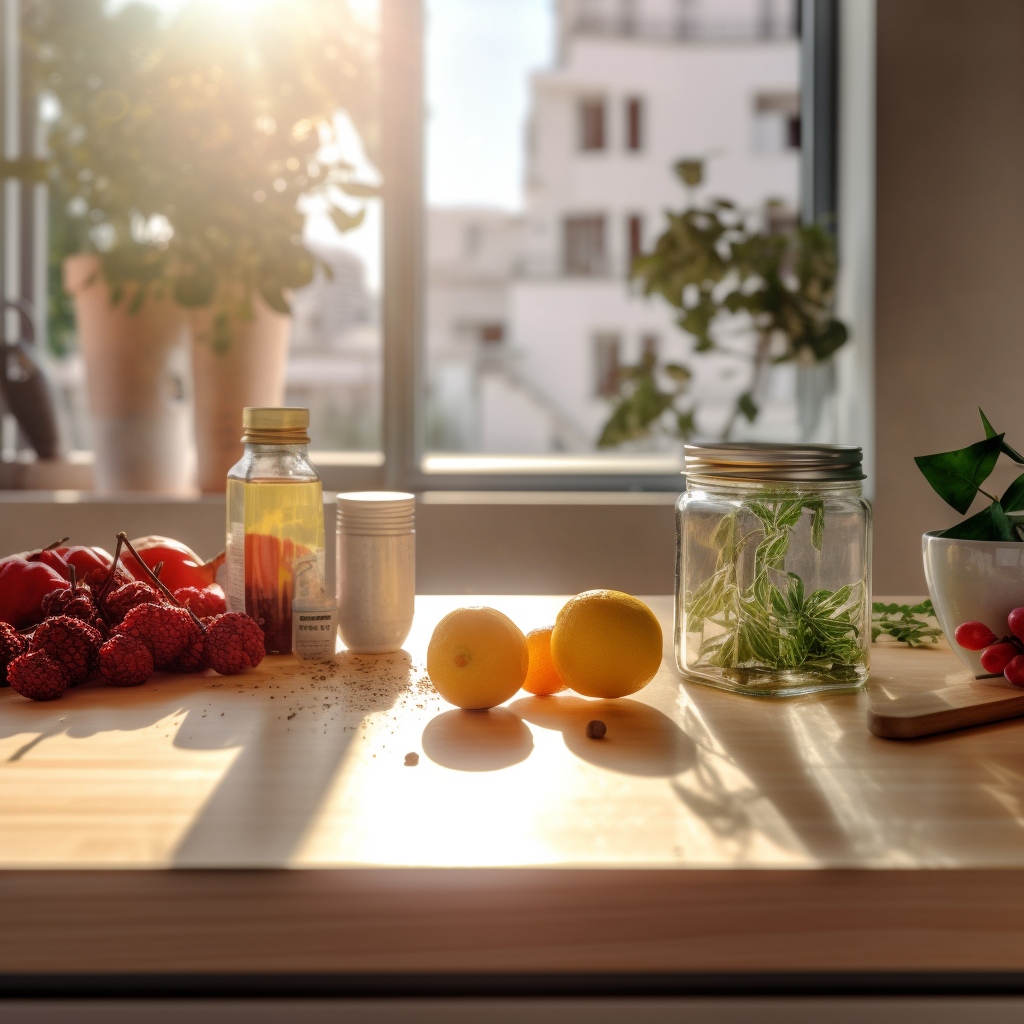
column 1015, row 620
column 995, row 658
column 974, row 636
column 1014, row 672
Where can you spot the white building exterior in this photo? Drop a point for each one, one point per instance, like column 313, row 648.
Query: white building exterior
column 530, row 315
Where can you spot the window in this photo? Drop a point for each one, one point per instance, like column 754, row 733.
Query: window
column 634, row 239
column 649, row 346
column 584, row 246
column 606, row 365
column 776, row 122
column 500, row 325
column 591, row 115
column 634, row 124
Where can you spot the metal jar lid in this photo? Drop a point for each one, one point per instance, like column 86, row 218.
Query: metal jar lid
column 761, row 461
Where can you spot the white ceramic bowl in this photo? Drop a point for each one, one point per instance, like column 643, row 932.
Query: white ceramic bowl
column 973, row 581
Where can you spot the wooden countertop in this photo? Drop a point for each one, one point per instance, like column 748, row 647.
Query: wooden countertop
column 706, row 833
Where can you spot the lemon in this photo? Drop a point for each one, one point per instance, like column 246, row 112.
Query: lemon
column 606, row 644
column 477, row 657
column 541, row 679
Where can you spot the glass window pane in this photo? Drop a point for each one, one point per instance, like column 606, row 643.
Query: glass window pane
column 554, row 135
column 217, row 160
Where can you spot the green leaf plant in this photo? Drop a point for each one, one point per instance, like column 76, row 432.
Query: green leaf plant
column 773, row 623
column 957, row 477
column 181, row 142
column 776, row 284
column 903, row 624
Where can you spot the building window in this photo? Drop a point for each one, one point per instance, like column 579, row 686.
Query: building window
column 634, row 239
column 634, row 124
column 606, row 365
column 649, row 348
column 492, row 334
column 584, row 246
column 591, row 113
column 776, row 122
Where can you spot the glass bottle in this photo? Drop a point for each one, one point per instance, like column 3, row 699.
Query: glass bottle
column 773, row 568
column 275, row 516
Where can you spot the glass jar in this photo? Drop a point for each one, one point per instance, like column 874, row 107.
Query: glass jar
column 773, row 568
column 275, row 517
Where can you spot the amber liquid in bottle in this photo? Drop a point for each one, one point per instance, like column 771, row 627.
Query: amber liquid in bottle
column 271, row 523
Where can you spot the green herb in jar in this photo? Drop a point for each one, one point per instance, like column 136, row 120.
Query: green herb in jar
column 773, row 623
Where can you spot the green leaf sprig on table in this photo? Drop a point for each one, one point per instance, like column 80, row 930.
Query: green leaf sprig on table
column 901, row 622
column 957, row 478
column 774, row 623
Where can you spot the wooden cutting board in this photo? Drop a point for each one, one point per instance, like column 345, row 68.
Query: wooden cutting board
column 954, row 707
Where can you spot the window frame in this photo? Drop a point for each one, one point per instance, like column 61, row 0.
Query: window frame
column 404, row 294
column 404, row 291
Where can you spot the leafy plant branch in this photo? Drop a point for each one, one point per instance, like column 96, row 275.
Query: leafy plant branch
column 957, row 477
column 712, row 265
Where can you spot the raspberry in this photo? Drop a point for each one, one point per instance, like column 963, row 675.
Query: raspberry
column 234, row 642
column 37, row 676
column 163, row 628
column 82, row 607
column 125, row 661
column 75, row 644
column 193, row 657
column 12, row 643
column 204, row 602
column 56, row 601
column 121, row 601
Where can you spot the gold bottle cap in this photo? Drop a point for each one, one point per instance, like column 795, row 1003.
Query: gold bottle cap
column 274, row 425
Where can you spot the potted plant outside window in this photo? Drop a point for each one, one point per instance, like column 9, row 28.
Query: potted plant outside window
column 712, row 264
column 182, row 147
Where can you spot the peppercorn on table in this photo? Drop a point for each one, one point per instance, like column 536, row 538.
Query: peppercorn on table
column 706, row 835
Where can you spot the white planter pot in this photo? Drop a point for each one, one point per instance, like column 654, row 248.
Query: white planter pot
column 973, row 581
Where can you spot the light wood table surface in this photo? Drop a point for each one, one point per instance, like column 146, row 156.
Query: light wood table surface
column 706, row 832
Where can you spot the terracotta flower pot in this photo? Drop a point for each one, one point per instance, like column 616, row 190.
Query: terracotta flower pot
column 250, row 370
column 139, row 416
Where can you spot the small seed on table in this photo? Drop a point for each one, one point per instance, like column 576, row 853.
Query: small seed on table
column 411, row 760
column 595, row 730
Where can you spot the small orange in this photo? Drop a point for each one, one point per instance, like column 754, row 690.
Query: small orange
column 542, row 678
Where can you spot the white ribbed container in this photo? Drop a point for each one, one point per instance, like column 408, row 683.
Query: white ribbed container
column 376, row 569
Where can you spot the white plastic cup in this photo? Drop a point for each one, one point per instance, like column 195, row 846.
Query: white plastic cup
column 376, row 570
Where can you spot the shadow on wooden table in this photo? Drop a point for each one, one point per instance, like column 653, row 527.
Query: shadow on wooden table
column 270, row 794
column 477, row 741
column 639, row 739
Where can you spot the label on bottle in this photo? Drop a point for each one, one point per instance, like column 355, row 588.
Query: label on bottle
column 235, row 559
column 314, row 632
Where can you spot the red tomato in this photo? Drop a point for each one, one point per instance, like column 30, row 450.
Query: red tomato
column 23, row 585
column 182, row 566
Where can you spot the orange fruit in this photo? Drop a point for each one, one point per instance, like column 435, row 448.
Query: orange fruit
column 606, row 644
column 542, row 678
column 477, row 658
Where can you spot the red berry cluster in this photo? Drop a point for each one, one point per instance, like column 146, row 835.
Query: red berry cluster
column 124, row 630
column 1005, row 654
